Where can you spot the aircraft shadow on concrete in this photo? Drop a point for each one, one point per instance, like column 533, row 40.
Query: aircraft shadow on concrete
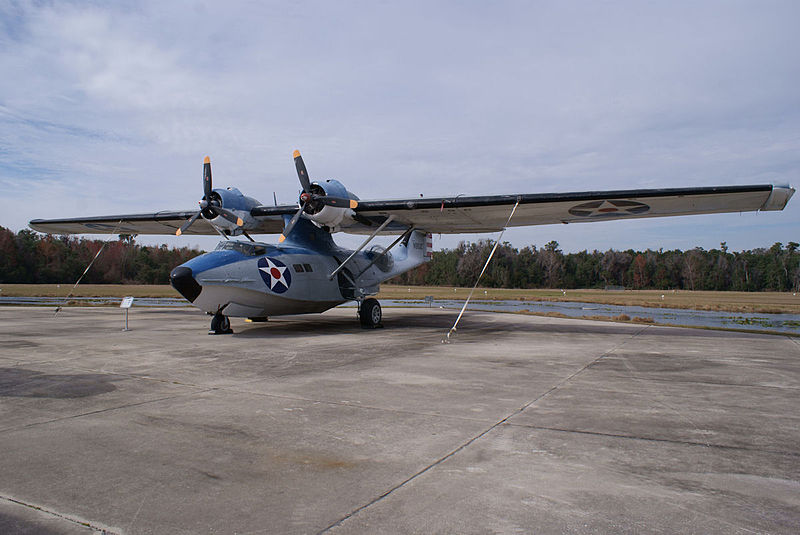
column 472, row 323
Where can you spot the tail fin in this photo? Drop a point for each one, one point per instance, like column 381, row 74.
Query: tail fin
column 415, row 250
column 428, row 247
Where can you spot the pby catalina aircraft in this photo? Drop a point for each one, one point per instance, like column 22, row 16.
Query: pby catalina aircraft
column 307, row 272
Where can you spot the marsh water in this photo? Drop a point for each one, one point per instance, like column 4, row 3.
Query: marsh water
column 786, row 323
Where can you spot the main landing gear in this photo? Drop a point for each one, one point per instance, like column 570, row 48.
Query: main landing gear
column 220, row 324
column 369, row 312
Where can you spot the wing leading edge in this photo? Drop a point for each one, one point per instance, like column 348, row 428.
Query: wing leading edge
column 151, row 223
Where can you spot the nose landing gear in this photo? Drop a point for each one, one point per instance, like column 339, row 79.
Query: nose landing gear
column 369, row 313
column 220, row 324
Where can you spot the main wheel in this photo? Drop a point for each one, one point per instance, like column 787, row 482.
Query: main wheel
column 370, row 313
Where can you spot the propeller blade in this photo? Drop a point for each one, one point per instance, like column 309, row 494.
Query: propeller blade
column 291, row 224
column 339, row 202
column 207, row 177
column 187, row 224
column 227, row 214
column 302, row 173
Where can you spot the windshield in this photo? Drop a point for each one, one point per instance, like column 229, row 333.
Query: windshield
column 249, row 249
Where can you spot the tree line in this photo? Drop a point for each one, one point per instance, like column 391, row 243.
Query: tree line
column 30, row 257
column 775, row 268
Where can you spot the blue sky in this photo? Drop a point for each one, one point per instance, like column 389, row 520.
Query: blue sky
column 110, row 107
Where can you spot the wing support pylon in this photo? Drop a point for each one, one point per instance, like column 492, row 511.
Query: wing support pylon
column 364, row 244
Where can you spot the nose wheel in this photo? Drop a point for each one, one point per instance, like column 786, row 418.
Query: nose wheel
column 220, row 324
column 370, row 314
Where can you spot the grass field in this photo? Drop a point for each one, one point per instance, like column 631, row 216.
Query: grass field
column 88, row 290
column 761, row 302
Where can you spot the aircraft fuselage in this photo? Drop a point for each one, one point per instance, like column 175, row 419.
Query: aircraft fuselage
column 252, row 279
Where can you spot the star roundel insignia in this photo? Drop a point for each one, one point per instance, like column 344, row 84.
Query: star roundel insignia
column 615, row 208
column 276, row 275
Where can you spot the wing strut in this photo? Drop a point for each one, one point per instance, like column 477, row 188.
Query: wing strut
column 385, row 251
column 371, row 236
column 446, row 340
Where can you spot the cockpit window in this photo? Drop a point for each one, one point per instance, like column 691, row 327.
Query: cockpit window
column 249, row 249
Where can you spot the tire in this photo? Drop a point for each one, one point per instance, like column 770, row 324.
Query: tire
column 370, row 313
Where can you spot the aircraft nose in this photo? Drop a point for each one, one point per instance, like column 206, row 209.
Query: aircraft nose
column 182, row 280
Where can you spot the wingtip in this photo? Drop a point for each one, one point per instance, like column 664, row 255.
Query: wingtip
column 296, row 154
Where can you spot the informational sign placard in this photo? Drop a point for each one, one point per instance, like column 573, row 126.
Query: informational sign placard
column 127, row 302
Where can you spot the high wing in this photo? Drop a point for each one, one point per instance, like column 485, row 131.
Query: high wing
column 150, row 223
column 451, row 215
column 461, row 214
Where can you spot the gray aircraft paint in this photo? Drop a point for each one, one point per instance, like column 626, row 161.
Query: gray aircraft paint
column 231, row 279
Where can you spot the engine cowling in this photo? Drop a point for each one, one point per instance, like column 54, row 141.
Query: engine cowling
column 233, row 200
column 325, row 215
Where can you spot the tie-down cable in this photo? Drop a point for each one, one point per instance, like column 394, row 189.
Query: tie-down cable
column 446, row 339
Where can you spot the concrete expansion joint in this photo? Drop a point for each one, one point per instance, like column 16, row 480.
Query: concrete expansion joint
column 236, row 390
column 655, row 439
column 62, row 516
column 108, row 409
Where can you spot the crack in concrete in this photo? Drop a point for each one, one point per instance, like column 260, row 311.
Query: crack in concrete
column 474, row 439
column 62, row 516
column 715, row 383
column 355, row 406
column 99, row 411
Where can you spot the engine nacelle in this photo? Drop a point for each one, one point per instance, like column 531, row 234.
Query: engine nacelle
column 233, row 200
column 329, row 216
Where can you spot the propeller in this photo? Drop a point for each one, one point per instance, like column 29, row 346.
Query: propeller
column 310, row 197
column 210, row 204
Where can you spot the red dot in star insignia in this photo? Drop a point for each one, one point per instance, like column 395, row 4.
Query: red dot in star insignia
column 275, row 273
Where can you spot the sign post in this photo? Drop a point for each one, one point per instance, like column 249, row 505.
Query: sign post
column 127, row 302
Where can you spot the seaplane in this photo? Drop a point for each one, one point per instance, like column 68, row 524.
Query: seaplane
column 307, row 272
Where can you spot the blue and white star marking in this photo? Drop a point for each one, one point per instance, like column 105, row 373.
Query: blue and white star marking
column 276, row 275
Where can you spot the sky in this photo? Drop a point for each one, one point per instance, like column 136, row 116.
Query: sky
column 110, row 107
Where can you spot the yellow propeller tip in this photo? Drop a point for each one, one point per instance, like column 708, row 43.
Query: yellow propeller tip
column 240, row 222
column 178, row 232
column 281, row 239
column 206, row 160
column 296, row 154
column 353, row 203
